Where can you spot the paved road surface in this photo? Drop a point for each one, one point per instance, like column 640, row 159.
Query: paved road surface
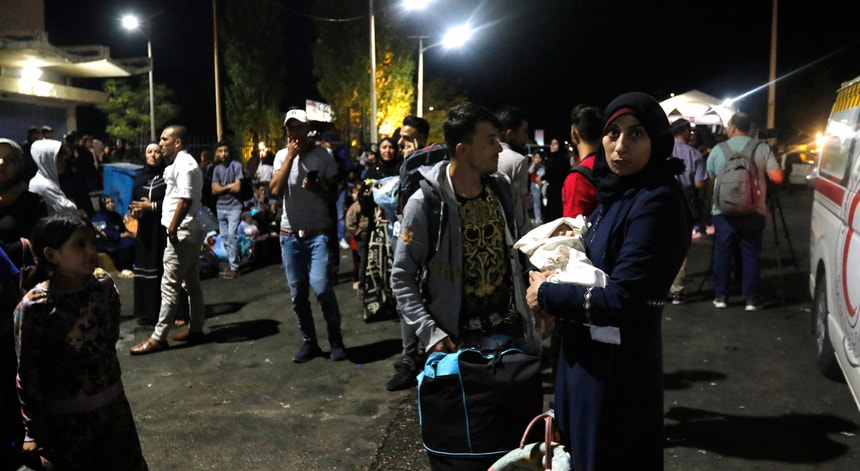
column 742, row 391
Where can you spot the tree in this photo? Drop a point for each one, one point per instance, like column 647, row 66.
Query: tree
column 127, row 108
column 440, row 95
column 342, row 64
column 252, row 42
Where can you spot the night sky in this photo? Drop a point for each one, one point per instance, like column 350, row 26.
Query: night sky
column 544, row 56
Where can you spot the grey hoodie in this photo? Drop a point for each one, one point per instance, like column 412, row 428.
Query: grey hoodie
column 437, row 316
column 46, row 182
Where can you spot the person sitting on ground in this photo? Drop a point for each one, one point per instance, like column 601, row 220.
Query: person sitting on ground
column 114, row 238
column 262, row 210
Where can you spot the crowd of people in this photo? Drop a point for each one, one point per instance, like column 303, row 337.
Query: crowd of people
column 443, row 258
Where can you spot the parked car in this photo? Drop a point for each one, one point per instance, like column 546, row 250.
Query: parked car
column 834, row 275
column 799, row 167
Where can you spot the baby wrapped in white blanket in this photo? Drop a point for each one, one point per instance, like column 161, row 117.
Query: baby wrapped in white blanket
column 551, row 246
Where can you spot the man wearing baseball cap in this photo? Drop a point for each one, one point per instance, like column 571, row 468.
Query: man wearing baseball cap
column 305, row 177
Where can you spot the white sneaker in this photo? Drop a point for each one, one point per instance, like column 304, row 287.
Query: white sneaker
column 344, row 244
column 720, row 304
column 752, row 308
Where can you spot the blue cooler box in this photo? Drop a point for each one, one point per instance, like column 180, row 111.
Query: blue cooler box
column 118, row 180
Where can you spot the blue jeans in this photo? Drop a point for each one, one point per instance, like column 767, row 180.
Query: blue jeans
column 537, row 200
column 228, row 224
column 306, row 264
column 730, row 234
column 341, row 223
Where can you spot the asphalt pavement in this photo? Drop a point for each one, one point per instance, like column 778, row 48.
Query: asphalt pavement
column 742, row 391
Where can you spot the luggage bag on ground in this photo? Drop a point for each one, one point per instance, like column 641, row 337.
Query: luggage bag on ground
column 473, row 405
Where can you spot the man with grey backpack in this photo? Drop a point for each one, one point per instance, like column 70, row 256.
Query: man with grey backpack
column 740, row 168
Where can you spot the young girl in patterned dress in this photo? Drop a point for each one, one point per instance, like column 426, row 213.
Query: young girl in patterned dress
column 75, row 411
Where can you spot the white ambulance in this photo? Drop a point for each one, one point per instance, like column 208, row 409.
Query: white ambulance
column 834, row 276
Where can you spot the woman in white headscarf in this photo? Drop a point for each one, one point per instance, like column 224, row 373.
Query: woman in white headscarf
column 50, row 157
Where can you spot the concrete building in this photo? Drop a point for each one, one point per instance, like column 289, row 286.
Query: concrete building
column 38, row 83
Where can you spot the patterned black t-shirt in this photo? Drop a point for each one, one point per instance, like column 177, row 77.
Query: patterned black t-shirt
column 487, row 287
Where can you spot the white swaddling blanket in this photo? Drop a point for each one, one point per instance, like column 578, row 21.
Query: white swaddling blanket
column 566, row 255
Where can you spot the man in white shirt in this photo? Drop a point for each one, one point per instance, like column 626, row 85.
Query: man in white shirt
column 184, row 236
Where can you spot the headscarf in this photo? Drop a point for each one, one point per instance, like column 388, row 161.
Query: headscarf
column 661, row 167
column 18, row 157
column 156, row 170
column 46, row 182
column 147, row 178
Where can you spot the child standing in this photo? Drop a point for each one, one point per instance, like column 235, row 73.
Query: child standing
column 75, row 411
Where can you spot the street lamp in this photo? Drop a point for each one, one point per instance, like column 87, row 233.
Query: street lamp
column 455, row 37
column 131, row 22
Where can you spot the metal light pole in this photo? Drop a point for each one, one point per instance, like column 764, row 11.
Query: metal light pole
column 420, row 105
column 771, row 89
column 453, row 38
column 373, row 130
column 151, row 89
column 218, row 127
column 131, row 22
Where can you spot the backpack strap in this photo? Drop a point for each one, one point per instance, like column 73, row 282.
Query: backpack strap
column 437, row 218
column 507, row 200
column 585, row 172
column 726, row 149
column 752, row 148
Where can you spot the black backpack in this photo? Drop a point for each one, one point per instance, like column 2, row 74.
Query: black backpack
column 410, row 173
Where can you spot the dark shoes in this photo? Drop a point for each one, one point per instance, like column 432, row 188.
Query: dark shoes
column 190, row 337
column 338, row 351
column 311, row 350
column 307, row 352
column 404, row 378
column 149, row 345
column 678, row 299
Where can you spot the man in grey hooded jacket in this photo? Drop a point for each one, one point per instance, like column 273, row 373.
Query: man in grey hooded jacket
column 469, row 287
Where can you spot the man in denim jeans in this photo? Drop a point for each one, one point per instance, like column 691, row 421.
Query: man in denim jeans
column 226, row 185
column 306, row 178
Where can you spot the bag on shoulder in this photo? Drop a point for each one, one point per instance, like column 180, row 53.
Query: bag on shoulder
column 737, row 188
column 410, row 171
column 475, row 403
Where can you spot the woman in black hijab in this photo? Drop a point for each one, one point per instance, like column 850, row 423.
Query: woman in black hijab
column 147, row 194
column 609, row 392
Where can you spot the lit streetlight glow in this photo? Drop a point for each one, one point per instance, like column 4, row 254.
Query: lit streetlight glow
column 130, row 22
column 456, row 37
column 415, row 4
